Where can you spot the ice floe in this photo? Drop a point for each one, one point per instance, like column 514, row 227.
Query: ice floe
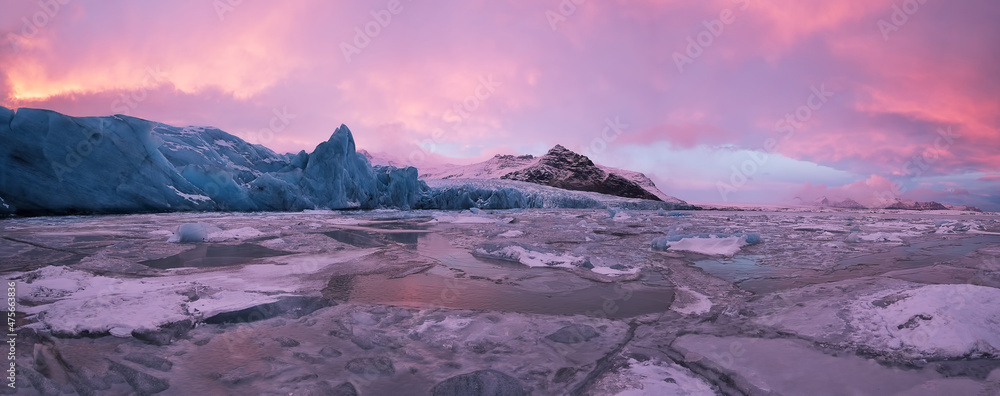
column 940, row 321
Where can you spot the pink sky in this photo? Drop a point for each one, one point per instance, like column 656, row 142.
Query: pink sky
column 911, row 104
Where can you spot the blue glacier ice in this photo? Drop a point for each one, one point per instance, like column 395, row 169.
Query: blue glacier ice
column 505, row 194
column 51, row 163
column 57, row 164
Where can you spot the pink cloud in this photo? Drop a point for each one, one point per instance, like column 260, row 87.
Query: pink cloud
column 870, row 192
column 414, row 84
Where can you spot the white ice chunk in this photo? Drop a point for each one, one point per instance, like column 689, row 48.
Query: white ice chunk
column 463, row 219
column 647, row 378
column 512, row 234
column 690, row 302
column 942, row 321
column 235, row 234
column 192, row 232
column 528, row 256
column 712, row 246
column 612, row 272
column 227, row 301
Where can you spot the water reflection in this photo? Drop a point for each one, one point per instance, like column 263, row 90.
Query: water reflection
column 373, row 238
column 213, row 255
column 429, row 290
column 916, row 262
column 461, row 281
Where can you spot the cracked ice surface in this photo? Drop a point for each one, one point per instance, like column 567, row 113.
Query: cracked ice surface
column 546, row 301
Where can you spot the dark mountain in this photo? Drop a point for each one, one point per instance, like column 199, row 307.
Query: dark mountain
column 562, row 168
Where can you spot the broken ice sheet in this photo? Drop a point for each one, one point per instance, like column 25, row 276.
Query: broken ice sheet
column 241, row 310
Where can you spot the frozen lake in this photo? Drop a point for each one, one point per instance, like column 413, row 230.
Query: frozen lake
column 549, row 301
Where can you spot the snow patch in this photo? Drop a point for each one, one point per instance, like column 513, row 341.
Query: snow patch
column 820, row 228
column 462, row 219
column 938, row 321
column 450, row 323
column 528, row 256
column 856, row 237
column 711, row 245
column 190, row 197
column 653, row 377
column 234, row 234
column 614, row 272
column 76, row 302
column 227, row 301
column 96, row 304
column 690, row 302
column 512, row 234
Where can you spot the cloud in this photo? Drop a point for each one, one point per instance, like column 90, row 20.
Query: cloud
column 413, row 82
column 873, row 191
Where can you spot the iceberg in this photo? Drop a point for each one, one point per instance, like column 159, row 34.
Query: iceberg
column 57, row 164
column 192, row 232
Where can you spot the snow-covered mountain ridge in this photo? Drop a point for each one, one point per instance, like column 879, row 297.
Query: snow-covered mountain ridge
column 897, row 203
column 560, row 168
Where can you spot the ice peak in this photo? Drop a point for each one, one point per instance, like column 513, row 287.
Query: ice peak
column 342, row 129
column 559, row 150
column 343, row 139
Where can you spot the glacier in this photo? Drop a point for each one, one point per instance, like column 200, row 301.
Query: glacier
column 59, row 164
column 510, row 194
column 6, row 209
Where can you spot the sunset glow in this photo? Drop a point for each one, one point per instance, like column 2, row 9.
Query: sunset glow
column 699, row 87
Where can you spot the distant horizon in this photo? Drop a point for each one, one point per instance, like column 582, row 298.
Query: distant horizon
column 429, row 164
column 735, row 102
